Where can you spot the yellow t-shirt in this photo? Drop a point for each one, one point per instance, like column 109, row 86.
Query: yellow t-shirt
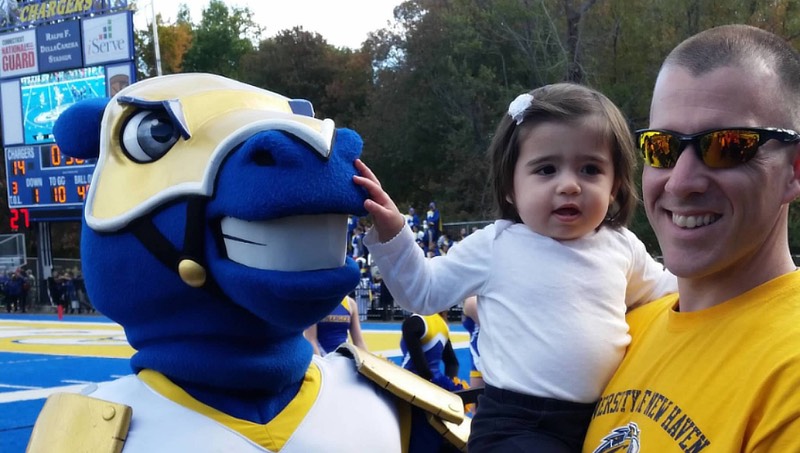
column 724, row 379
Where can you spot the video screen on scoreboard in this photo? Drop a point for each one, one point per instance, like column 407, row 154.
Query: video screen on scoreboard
column 45, row 96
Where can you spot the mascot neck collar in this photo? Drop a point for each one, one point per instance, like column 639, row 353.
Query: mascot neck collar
column 228, row 367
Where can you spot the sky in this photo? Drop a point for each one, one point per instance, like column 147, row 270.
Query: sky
column 343, row 23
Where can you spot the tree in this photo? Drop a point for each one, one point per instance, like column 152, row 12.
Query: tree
column 426, row 92
column 445, row 83
column 300, row 64
column 220, row 40
column 174, row 40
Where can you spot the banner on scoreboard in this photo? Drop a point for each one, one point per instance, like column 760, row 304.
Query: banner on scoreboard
column 22, row 14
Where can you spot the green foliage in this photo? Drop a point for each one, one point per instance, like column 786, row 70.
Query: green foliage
column 794, row 227
column 221, row 39
column 427, row 92
column 173, row 41
column 303, row 65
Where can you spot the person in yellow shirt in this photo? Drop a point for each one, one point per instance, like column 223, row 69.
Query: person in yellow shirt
column 716, row 367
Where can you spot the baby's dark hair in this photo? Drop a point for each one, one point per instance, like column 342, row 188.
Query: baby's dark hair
column 565, row 102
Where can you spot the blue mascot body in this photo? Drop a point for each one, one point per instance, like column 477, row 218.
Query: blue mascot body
column 214, row 233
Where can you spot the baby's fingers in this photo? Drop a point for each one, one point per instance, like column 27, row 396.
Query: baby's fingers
column 366, row 172
column 373, row 188
column 370, row 182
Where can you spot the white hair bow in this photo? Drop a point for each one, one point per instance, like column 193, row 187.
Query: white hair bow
column 516, row 110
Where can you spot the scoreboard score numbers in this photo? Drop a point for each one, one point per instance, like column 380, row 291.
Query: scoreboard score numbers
column 39, row 176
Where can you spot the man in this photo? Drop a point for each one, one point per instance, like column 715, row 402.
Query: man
column 716, row 367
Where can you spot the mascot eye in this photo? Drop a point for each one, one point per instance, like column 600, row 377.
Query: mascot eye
column 148, row 135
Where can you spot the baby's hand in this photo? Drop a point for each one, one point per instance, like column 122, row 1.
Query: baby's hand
column 387, row 219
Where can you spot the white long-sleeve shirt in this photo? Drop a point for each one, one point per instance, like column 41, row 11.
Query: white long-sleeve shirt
column 552, row 313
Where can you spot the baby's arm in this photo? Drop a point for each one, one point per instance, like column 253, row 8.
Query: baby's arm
column 386, row 218
column 648, row 279
column 419, row 284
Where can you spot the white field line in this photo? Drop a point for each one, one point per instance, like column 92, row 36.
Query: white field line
column 26, row 395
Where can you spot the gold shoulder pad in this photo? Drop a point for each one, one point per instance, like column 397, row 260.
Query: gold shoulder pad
column 456, row 434
column 70, row 422
column 445, row 409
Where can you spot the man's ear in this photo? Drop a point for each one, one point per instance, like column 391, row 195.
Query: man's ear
column 793, row 184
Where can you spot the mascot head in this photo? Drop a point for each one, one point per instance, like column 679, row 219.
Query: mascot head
column 217, row 215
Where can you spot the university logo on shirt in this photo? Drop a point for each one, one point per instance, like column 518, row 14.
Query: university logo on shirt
column 624, row 439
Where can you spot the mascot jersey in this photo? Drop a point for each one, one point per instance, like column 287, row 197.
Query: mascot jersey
column 723, row 379
column 304, row 426
column 436, row 336
column 332, row 330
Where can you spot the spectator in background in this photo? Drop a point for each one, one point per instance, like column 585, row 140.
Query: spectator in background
column 386, row 298
column 29, row 287
column 4, row 279
column 428, row 351
column 80, row 290
column 26, row 288
column 69, row 293
column 412, row 219
column 443, row 244
column 428, row 239
column 434, row 221
column 461, row 235
column 362, row 293
column 423, row 246
column 14, row 290
column 54, row 289
column 352, row 223
column 472, row 325
column 333, row 330
column 357, row 243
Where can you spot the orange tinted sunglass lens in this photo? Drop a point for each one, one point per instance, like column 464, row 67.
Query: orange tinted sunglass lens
column 659, row 149
column 728, row 148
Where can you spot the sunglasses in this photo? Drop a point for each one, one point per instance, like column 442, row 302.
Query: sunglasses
column 717, row 148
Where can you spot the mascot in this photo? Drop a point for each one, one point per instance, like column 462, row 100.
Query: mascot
column 215, row 233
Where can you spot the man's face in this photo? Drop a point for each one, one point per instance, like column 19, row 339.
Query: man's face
column 717, row 224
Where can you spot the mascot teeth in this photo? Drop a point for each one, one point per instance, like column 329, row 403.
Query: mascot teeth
column 298, row 243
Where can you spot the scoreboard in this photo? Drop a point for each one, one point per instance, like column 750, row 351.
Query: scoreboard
column 60, row 57
column 39, row 176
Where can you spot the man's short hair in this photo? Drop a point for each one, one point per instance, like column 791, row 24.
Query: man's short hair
column 743, row 46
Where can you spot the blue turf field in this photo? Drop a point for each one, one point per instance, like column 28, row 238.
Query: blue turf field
column 40, row 355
